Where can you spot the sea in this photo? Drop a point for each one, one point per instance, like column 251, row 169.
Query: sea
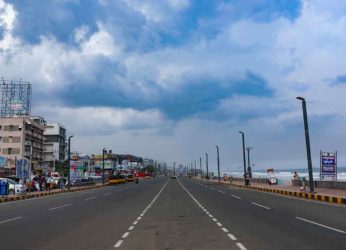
column 286, row 175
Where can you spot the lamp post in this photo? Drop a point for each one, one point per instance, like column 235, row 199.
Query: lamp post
column 218, row 162
column 307, row 140
column 248, row 161
column 243, row 139
column 206, row 164
column 195, row 169
column 200, row 166
column 103, row 165
column 69, row 162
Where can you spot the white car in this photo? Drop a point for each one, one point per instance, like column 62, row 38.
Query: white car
column 14, row 188
column 94, row 176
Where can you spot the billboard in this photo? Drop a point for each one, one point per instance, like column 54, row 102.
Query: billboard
column 22, row 168
column 328, row 166
column 77, row 170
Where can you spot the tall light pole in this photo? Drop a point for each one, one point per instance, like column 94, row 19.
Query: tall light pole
column 243, row 139
column 307, row 140
column 206, row 164
column 200, row 166
column 69, row 162
column 195, row 169
column 218, row 162
column 248, row 161
column 103, row 165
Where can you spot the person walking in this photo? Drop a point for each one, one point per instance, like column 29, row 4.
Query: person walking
column 48, row 181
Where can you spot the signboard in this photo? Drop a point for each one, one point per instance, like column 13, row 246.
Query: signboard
column 77, row 170
column 328, row 168
column 2, row 162
column 22, row 168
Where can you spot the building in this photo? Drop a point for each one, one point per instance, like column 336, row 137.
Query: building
column 21, row 139
column 54, row 146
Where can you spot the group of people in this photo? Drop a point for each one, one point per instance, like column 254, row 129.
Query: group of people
column 42, row 182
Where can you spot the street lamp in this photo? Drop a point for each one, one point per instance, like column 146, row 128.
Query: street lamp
column 307, row 140
column 200, row 166
column 103, row 165
column 248, row 161
column 69, row 161
column 206, row 164
column 218, row 162
column 242, row 136
column 195, row 169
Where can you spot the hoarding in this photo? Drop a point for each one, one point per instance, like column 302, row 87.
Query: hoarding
column 2, row 162
column 328, row 168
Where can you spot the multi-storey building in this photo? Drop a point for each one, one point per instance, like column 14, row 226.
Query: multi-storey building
column 21, row 138
column 54, row 145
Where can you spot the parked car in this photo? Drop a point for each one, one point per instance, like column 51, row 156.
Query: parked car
column 116, row 179
column 94, row 177
column 130, row 178
column 14, row 188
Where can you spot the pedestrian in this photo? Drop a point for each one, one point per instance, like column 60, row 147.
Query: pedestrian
column 48, row 181
column 296, row 176
column 33, row 187
column 40, row 181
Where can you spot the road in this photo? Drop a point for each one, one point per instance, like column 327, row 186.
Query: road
column 171, row 214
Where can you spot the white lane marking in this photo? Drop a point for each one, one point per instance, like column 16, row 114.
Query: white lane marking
column 232, row 237
column 237, row 197
column 125, row 235
column 53, row 208
column 219, row 224
column 142, row 214
column 91, row 198
column 259, row 205
column 17, row 218
column 222, row 192
column 241, row 246
column 214, row 219
column 321, row 225
column 118, row 243
column 212, row 188
column 107, row 194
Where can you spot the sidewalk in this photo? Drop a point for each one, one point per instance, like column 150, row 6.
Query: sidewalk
column 322, row 194
column 30, row 195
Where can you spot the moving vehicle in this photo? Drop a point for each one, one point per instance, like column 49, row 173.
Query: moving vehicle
column 130, row 178
column 14, row 188
column 116, row 178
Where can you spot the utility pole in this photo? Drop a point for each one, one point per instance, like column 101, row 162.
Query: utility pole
column 307, row 140
column 103, row 166
column 243, row 139
column 206, row 164
column 173, row 168
column 195, row 169
column 69, row 162
column 248, row 161
column 218, row 162
column 200, row 166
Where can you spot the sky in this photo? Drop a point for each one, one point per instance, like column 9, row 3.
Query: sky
column 171, row 79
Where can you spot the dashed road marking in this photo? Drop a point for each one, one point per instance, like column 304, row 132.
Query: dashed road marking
column 91, row 198
column 259, row 205
column 237, row 197
column 53, row 208
column 107, row 194
column 222, row 192
column 321, row 225
column 241, row 246
column 126, row 234
column 17, row 218
column 231, row 236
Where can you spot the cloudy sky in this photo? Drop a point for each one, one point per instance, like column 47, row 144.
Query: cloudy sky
column 171, row 79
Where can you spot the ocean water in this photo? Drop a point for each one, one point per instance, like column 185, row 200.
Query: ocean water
column 287, row 174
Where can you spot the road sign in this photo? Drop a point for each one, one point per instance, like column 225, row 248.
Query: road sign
column 328, row 167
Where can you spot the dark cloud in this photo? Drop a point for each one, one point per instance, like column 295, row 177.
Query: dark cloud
column 340, row 80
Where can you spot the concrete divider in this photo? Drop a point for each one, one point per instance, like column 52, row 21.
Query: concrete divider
column 46, row 193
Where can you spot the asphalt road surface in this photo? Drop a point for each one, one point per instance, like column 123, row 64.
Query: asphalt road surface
column 167, row 214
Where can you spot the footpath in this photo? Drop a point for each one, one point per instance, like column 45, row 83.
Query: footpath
column 337, row 196
column 36, row 194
